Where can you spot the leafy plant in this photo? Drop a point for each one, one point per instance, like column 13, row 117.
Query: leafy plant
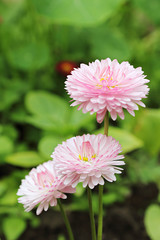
column 34, row 115
column 152, row 220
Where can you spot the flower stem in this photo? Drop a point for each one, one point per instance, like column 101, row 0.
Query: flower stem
column 93, row 229
column 106, row 124
column 70, row 234
column 100, row 213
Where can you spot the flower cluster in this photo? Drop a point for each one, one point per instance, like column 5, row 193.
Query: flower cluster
column 90, row 159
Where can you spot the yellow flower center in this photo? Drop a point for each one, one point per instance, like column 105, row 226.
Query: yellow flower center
column 106, row 82
column 87, row 152
column 85, row 159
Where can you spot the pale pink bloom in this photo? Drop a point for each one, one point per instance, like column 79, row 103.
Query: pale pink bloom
column 89, row 159
column 107, row 86
column 42, row 186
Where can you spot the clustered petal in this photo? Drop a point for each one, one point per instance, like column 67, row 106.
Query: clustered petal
column 42, row 186
column 89, row 159
column 107, row 86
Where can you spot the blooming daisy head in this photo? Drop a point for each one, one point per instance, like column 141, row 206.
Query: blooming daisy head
column 89, row 159
column 107, row 86
column 42, row 186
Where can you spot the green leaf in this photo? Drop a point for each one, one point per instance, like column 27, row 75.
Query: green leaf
column 53, row 113
column 11, row 91
column 42, row 122
column 147, row 129
column 7, row 98
column 6, row 145
column 152, row 221
column 3, row 187
column 46, row 105
column 24, row 159
column 110, row 198
column 149, row 171
column 150, row 8
column 35, row 222
column 94, row 203
column 19, row 114
column 116, row 192
column 110, row 43
column 61, row 237
column 80, row 12
column 8, row 210
column 128, row 141
column 29, row 56
column 79, row 204
column 18, row 210
column 47, row 144
column 9, row 130
column 9, row 186
column 79, row 190
column 13, row 227
column 145, row 170
column 9, row 197
column 79, row 119
column 8, row 10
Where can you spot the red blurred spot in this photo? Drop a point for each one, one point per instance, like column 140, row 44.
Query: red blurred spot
column 65, row 67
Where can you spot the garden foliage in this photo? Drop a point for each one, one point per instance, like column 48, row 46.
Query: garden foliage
column 35, row 116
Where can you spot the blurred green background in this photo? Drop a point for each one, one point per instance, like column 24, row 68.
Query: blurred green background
column 40, row 41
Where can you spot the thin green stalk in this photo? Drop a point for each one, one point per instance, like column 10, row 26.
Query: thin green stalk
column 100, row 213
column 106, row 124
column 91, row 214
column 70, row 234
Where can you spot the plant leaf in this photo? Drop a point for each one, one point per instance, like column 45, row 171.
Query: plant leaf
column 80, row 12
column 47, row 144
column 128, row 141
column 46, row 105
column 150, row 8
column 29, row 56
column 6, row 145
column 13, row 227
column 24, row 159
column 147, row 129
column 152, row 221
column 104, row 43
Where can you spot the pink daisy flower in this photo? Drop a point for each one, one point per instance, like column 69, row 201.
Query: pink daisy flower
column 42, row 186
column 88, row 159
column 107, row 86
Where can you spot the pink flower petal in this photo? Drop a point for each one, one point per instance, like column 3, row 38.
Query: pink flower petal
column 107, row 86
column 94, row 157
column 42, row 186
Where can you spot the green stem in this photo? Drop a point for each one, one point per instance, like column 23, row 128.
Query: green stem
column 70, row 234
column 91, row 214
column 100, row 213
column 106, row 124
